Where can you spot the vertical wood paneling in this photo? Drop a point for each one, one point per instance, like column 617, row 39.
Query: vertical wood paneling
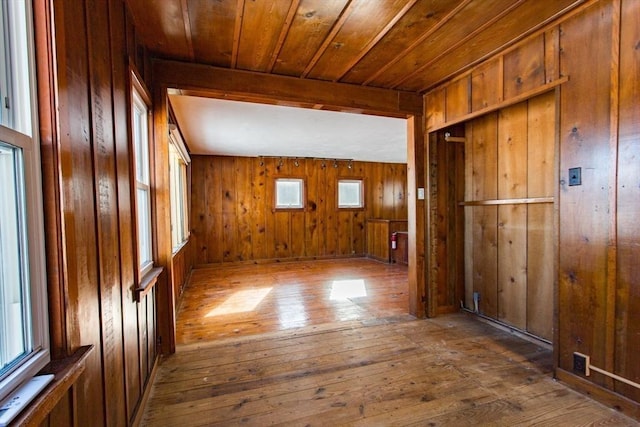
column 91, row 79
column 435, row 107
column 485, row 85
column 552, row 54
column 524, row 67
column 584, row 133
column 628, row 230
column 468, row 215
column 233, row 208
column 106, row 211
column 229, row 216
column 244, row 209
column 260, row 206
column 78, row 201
column 198, row 212
column 484, row 184
column 485, row 258
column 512, row 265
column 269, row 208
column 457, row 99
column 311, row 226
column 128, row 263
column 541, row 145
column 512, row 152
column 520, row 259
column 540, row 274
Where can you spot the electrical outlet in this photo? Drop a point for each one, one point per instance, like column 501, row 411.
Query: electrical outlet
column 581, row 363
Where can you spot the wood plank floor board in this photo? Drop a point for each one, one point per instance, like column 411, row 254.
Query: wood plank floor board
column 297, row 357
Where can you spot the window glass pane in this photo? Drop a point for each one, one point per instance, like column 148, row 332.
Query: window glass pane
column 289, row 193
column 141, row 139
column 144, row 227
column 14, row 297
column 15, row 75
column 350, row 194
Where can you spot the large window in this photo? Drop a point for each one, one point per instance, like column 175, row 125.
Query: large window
column 350, row 194
column 141, row 142
column 24, row 343
column 178, row 161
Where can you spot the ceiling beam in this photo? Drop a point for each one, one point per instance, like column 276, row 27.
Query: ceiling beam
column 259, row 87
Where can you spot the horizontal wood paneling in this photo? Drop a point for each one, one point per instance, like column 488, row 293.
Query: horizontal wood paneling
column 234, row 219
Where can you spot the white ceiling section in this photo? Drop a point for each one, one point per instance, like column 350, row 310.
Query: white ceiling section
column 232, row 128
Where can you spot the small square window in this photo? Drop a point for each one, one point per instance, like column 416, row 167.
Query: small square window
column 289, row 193
column 350, row 194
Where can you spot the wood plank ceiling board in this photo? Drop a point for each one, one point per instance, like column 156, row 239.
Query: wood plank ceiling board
column 212, row 30
column 522, row 19
column 417, row 24
column 408, row 44
column 466, row 21
column 164, row 26
column 262, row 22
column 312, row 23
column 366, row 20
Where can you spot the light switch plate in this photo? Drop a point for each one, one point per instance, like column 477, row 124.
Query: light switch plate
column 420, row 193
column 575, row 176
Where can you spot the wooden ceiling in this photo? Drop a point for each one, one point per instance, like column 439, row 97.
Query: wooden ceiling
column 407, row 45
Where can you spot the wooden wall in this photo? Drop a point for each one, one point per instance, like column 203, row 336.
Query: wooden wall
column 591, row 55
column 85, row 48
column 233, row 219
column 509, row 158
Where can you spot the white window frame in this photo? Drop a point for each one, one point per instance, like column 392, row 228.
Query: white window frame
column 279, row 205
column 142, row 168
column 351, row 181
column 18, row 128
column 179, row 160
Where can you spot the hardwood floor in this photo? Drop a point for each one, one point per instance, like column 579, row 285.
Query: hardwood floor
column 240, row 300
column 356, row 363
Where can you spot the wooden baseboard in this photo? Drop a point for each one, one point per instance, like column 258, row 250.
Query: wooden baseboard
column 605, row 396
column 137, row 417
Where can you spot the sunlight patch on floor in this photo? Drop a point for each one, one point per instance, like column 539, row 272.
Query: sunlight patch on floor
column 241, row 302
column 346, row 289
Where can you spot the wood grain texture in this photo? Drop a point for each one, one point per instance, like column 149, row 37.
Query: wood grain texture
column 234, row 300
column 248, row 228
column 584, row 128
column 517, row 253
column 94, row 274
column 540, row 276
column 540, row 148
column 512, row 152
column 458, row 99
column 393, row 370
column 512, row 265
column 628, row 231
column 524, row 67
column 486, row 84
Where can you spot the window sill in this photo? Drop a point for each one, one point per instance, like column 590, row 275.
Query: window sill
column 66, row 372
column 148, row 282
